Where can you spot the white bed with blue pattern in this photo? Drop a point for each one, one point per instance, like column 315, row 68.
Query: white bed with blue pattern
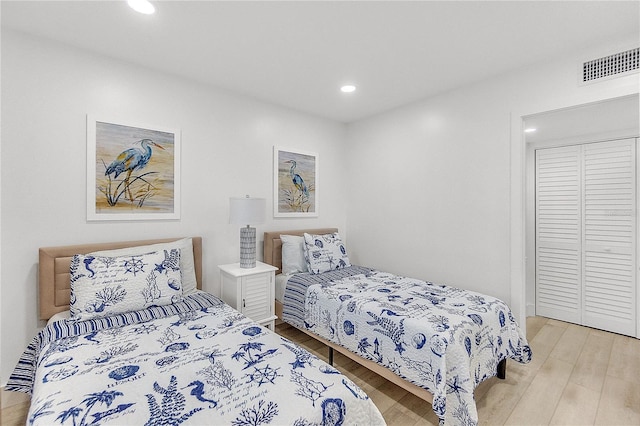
column 193, row 361
column 442, row 339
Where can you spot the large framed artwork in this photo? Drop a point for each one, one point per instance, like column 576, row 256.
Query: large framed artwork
column 295, row 186
column 133, row 171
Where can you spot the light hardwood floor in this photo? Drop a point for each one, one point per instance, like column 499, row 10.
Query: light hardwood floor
column 578, row 376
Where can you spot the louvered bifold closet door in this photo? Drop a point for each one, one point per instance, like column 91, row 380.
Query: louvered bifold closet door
column 609, row 254
column 558, row 233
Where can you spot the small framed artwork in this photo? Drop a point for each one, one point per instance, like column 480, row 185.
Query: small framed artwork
column 295, row 183
column 133, row 171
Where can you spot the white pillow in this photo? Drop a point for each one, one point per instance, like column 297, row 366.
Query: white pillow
column 325, row 252
column 187, row 267
column 293, row 260
column 103, row 286
column 59, row 317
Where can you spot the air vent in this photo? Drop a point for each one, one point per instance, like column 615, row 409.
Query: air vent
column 612, row 65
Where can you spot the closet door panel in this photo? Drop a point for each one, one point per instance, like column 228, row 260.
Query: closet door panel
column 609, row 255
column 558, row 233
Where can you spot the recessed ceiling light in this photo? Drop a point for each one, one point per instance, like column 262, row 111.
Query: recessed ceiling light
column 530, row 130
column 142, row 6
column 348, row 88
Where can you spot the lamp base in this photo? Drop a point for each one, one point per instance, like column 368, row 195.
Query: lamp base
column 247, row 247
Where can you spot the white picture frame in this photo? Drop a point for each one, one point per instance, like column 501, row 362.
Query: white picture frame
column 295, row 183
column 133, row 171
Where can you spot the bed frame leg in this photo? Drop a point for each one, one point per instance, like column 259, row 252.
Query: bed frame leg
column 502, row 369
column 330, row 356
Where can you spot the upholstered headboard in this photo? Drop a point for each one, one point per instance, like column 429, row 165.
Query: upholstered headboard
column 273, row 244
column 53, row 270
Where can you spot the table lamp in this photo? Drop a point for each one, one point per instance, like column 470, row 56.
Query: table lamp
column 247, row 211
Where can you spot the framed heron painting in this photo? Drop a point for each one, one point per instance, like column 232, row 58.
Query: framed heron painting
column 133, row 171
column 295, row 183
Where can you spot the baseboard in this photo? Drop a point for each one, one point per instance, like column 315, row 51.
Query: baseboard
column 531, row 309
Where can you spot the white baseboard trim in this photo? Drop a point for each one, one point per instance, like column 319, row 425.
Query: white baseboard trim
column 531, row 310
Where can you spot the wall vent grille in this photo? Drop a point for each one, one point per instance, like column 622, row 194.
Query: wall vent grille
column 611, row 65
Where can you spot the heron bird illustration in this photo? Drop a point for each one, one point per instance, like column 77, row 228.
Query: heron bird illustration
column 297, row 179
column 132, row 159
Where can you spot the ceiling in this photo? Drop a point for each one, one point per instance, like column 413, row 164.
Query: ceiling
column 298, row 53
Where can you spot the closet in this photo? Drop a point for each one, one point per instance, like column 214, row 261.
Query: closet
column 585, row 234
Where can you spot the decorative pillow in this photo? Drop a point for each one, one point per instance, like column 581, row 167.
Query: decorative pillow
column 293, row 260
column 59, row 317
column 325, row 252
column 103, row 286
column 187, row 267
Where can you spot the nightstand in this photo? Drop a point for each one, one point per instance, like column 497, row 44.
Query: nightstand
column 250, row 291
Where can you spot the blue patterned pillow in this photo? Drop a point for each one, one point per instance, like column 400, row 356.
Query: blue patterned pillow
column 187, row 267
column 103, row 285
column 325, row 253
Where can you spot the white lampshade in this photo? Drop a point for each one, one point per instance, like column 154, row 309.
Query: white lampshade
column 247, row 211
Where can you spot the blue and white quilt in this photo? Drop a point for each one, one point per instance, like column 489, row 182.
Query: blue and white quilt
column 441, row 338
column 194, row 362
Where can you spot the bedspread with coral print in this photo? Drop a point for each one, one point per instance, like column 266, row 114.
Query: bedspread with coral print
column 444, row 339
column 195, row 362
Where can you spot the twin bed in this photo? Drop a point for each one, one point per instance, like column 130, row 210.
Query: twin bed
column 145, row 346
column 436, row 341
column 164, row 352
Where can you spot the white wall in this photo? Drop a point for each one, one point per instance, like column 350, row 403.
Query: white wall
column 438, row 188
column 227, row 142
column 431, row 190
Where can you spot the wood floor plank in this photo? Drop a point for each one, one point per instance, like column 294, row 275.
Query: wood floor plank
column 7, row 399
column 623, row 365
column 619, row 402
column 15, row 415
column 416, row 408
column 577, row 406
column 534, row 325
column 570, row 344
column 627, row 345
column 497, row 404
column 591, row 366
column 543, row 394
column 550, row 333
column 399, row 416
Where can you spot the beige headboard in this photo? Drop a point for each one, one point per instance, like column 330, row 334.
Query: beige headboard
column 53, row 270
column 273, row 244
